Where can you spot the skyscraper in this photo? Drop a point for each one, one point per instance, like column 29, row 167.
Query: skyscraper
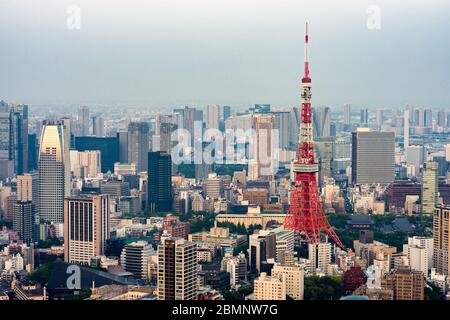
column 98, row 126
column 159, row 185
column 364, row 117
column 265, row 142
column 321, row 122
column 373, row 157
column 54, row 173
column 212, row 116
column 23, row 220
column 86, row 227
column 406, row 120
column 429, row 187
column 379, row 118
column 19, row 138
column 6, row 159
column 177, row 269
column 441, row 239
column 83, row 120
column 165, row 140
column 138, row 144
column 13, row 140
column 122, row 138
column 226, row 110
column 32, row 152
column 28, row 192
column 347, row 114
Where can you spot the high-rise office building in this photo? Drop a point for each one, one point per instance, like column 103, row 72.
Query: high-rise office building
column 165, row 137
column 138, row 144
column 284, row 125
column 212, row 116
column 54, row 173
column 32, row 152
column 19, row 138
column 269, row 287
column 23, row 220
column 406, row 121
column 347, row 114
column 135, row 258
column 441, row 118
column 379, row 118
column 177, row 269
column 364, row 117
column 159, row 184
column 98, row 126
column 86, row 227
column 321, row 122
column 441, row 239
column 373, row 157
column 265, row 143
column 226, row 112
column 6, row 156
column 122, row 138
column 429, row 187
column 83, row 120
column 28, row 192
column 13, row 140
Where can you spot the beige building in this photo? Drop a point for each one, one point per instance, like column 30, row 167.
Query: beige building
column 269, row 287
column 86, row 227
column 405, row 283
column 441, row 243
column 254, row 216
column 429, row 187
column 263, row 152
column 177, row 269
column 294, row 278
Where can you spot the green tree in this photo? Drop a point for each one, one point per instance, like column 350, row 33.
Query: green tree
column 323, row 288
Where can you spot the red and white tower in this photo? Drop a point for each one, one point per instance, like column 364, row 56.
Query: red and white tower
column 305, row 212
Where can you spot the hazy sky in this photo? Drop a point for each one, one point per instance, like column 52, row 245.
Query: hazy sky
column 174, row 52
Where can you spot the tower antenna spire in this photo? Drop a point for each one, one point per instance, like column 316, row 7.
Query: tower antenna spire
column 306, row 52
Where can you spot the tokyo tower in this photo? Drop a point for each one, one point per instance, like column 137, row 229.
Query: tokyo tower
column 305, row 212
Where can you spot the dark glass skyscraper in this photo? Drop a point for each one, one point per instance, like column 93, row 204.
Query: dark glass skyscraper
column 32, row 152
column 159, row 182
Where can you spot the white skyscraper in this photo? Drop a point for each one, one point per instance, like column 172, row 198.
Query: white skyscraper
column 347, row 114
column 406, row 129
column 54, row 173
column 83, row 120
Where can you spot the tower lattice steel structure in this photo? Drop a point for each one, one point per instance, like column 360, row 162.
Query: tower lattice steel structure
column 305, row 212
